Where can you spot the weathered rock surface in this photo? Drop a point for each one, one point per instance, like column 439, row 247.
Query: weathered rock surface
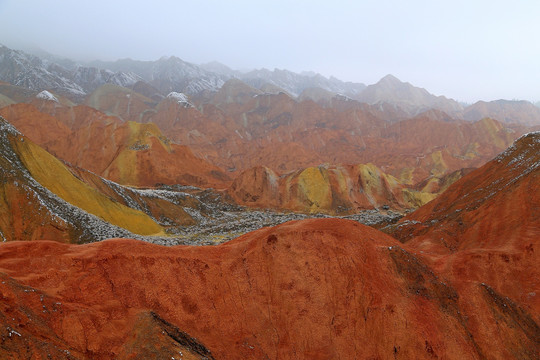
column 486, row 228
column 126, row 152
column 314, row 289
column 40, row 198
column 330, row 189
column 275, row 131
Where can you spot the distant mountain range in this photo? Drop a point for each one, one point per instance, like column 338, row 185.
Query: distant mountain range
column 32, row 72
column 156, row 79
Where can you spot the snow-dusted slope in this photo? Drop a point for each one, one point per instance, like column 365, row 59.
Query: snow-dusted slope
column 173, row 74
column 291, row 82
column 410, row 98
column 295, row 83
column 21, row 69
column 169, row 74
column 29, row 71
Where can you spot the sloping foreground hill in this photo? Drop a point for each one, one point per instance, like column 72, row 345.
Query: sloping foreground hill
column 497, row 204
column 486, row 227
column 314, row 289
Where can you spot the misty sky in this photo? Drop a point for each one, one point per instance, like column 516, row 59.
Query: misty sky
column 467, row 50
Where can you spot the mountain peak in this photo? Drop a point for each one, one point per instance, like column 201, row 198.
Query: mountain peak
column 235, row 90
column 390, row 79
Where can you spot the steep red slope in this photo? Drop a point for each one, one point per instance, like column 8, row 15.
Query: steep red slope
column 38, row 126
column 40, row 198
column 432, row 144
column 44, row 198
column 126, row 152
column 240, row 128
column 136, row 154
column 486, row 226
column 315, row 289
column 495, row 205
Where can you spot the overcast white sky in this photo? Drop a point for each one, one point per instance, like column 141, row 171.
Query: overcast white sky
column 467, row 50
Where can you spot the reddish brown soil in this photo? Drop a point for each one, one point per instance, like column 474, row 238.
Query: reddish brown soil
column 125, row 152
column 496, row 204
column 285, row 135
column 38, row 126
column 486, row 227
column 241, row 129
column 464, row 285
column 315, row 289
column 328, row 189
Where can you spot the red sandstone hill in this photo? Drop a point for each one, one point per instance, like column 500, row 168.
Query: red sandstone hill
column 126, row 152
column 267, row 129
column 315, row 289
column 486, row 226
column 333, row 189
column 418, row 158
column 504, row 190
column 40, row 127
column 240, row 128
column 432, row 144
column 44, row 198
column 40, row 198
column 506, row 111
column 243, row 127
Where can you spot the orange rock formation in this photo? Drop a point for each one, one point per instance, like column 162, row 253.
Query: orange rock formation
column 486, row 227
column 325, row 189
column 315, row 289
column 126, row 152
column 463, row 285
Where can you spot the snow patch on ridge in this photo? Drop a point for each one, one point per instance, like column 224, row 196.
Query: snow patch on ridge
column 535, row 135
column 45, row 95
column 180, row 98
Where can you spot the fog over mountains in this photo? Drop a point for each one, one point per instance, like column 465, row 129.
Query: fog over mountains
column 172, row 74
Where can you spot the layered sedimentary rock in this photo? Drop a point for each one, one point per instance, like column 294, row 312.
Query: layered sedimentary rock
column 316, row 289
column 42, row 199
column 489, row 204
column 486, row 228
column 462, row 283
column 127, row 152
column 275, row 131
column 327, row 189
